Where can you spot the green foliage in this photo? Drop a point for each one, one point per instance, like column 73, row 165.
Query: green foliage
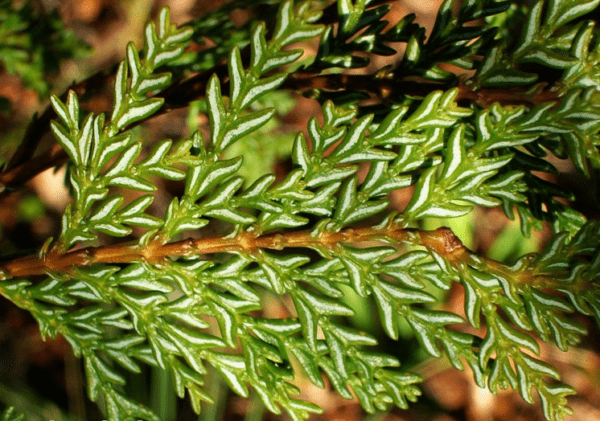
column 33, row 44
column 11, row 415
column 459, row 143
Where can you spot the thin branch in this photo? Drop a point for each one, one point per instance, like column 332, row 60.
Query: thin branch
column 17, row 176
column 442, row 240
column 378, row 87
column 528, row 96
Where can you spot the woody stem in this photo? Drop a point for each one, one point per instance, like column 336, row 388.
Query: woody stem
column 442, row 241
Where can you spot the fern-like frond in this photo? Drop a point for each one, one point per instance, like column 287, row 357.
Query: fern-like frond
column 180, row 299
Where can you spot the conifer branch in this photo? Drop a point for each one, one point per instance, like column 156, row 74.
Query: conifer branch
column 443, row 241
column 455, row 142
column 180, row 95
column 177, row 96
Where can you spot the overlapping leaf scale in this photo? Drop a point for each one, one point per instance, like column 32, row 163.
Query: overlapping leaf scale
column 514, row 367
column 417, row 138
column 467, row 175
column 289, row 199
column 176, row 329
column 165, row 337
column 84, row 328
column 337, row 47
column 569, row 265
column 550, row 286
column 95, row 143
column 583, row 73
column 228, row 123
column 258, row 365
column 110, row 215
column 118, row 406
column 551, row 318
column 413, row 271
column 366, row 372
column 140, row 289
column 470, row 164
column 340, row 142
column 135, row 77
column 366, row 270
column 169, row 336
column 222, row 292
column 543, row 40
column 376, row 386
column 437, row 111
column 211, row 187
column 104, row 380
column 168, row 331
column 272, row 386
column 576, row 121
column 567, row 130
column 397, row 146
column 160, row 334
column 451, row 40
column 361, row 29
column 339, row 355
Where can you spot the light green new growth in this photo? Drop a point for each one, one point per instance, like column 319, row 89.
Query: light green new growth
column 459, row 141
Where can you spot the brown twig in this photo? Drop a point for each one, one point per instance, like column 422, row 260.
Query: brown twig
column 484, row 97
column 442, row 240
column 29, row 169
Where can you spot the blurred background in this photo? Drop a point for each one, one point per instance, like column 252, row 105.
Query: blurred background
column 45, row 381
